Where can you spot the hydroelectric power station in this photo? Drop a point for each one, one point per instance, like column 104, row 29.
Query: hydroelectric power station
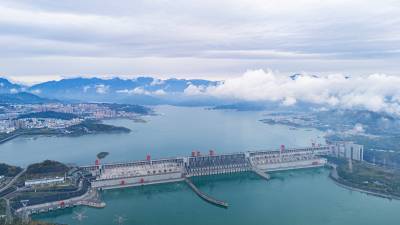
column 181, row 169
column 149, row 171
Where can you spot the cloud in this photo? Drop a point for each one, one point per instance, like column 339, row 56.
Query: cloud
column 86, row 88
column 193, row 38
column 36, row 91
column 358, row 128
column 159, row 92
column 375, row 92
column 102, row 89
column 142, row 91
column 13, row 91
column 156, row 82
column 195, row 90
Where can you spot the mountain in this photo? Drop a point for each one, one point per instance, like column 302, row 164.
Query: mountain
column 297, row 75
column 23, row 98
column 141, row 90
column 7, row 87
column 376, row 123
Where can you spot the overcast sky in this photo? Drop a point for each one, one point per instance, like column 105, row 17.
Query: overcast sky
column 43, row 39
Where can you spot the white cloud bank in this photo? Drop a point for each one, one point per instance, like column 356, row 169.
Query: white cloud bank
column 141, row 91
column 376, row 92
column 102, row 89
column 196, row 38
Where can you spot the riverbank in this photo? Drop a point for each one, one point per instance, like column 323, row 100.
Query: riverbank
column 84, row 128
column 6, row 137
column 334, row 176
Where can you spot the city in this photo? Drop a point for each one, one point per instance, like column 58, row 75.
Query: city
column 58, row 118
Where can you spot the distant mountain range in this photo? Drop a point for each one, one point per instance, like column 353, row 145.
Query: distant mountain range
column 6, row 87
column 142, row 90
column 23, row 98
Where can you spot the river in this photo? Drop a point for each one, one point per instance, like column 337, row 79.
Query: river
column 303, row 197
column 176, row 131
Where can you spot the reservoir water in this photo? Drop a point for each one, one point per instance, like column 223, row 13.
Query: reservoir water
column 175, row 132
column 304, row 197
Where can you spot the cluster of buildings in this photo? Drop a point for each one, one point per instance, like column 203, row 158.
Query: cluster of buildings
column 295, row 119
column 7, row 126
column 348, row 150
column 84, row 110
column 10, row 125
column 10, row 122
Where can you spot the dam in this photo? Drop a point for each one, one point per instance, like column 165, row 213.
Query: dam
column 182, row 169
column 149, row 171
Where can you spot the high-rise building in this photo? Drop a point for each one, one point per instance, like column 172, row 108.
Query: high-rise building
column 348, row 150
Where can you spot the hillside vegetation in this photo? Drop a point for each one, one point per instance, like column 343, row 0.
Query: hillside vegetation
column 9, row 171
column 46, row 167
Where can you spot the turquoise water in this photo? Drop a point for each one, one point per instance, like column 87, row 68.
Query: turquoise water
column 304, row 197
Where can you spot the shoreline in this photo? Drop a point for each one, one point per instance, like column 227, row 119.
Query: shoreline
column 10, row 138
column 59, row 134
column 337, row 182
column 368, row 192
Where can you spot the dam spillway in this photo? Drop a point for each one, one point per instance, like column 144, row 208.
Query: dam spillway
column 216, row 164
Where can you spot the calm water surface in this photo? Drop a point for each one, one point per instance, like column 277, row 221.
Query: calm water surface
column 304, row 197
column 177, row 131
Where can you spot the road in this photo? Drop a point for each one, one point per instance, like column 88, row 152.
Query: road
column 11, row 137
column 13, row 180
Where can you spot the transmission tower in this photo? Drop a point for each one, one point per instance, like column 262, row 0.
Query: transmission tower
column 79, row 216
column 25, row 213
column 350, row 165
column 9, row 216
column 119, row 220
